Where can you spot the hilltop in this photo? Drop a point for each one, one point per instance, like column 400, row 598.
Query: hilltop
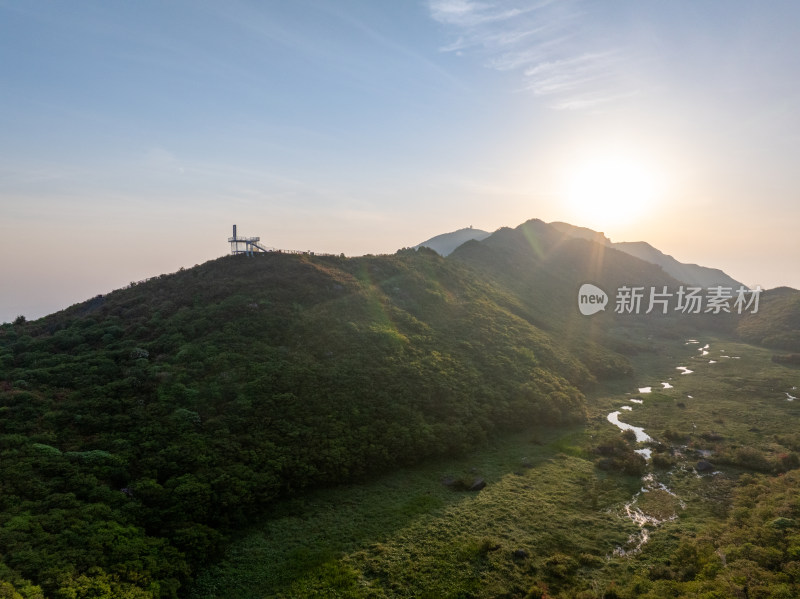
column 445, row 243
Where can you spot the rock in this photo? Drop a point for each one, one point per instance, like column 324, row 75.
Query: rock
column 704, row 466
column 520, row 554
column 477, row 484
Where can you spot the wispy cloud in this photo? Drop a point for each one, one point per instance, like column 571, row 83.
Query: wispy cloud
column 467, row 13
column 563, row 51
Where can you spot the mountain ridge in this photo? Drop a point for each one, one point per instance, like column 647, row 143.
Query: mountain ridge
column 688, row 273
column 692, row 274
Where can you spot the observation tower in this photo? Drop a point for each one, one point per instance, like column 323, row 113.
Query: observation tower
column 245, row 245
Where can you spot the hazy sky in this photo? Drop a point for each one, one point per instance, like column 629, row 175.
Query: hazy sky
column 134, row 134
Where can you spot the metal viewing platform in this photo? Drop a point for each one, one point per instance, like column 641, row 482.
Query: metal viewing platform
column 252, row 245
column 245, row 245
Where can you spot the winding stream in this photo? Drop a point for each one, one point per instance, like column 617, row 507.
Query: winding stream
column 632, row 509
column 644, row 521
column 641, row 436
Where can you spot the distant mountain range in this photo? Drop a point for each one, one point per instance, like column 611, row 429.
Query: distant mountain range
column 691, row 274
column 445, row 243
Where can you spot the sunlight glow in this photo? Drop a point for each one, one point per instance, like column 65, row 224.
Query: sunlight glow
column 611, row 190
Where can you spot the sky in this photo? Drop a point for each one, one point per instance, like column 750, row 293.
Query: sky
column 134, row 135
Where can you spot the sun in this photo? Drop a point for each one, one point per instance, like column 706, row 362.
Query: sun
column 611, row 190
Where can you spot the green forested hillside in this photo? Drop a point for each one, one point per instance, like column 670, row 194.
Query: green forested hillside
column 777, row 322
column 140, row 427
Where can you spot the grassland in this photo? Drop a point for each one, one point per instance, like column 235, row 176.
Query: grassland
column 550, row 522
column 409, row 535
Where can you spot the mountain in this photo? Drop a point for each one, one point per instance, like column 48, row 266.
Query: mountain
column 544, row 268
column 691, row 274
column 140, row 429
column 445, row 243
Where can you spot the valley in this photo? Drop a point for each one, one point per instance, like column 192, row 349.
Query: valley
column 550, row 521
